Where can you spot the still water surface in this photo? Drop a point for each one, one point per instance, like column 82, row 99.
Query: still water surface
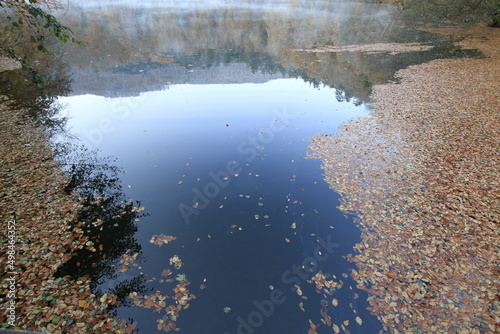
column 208, row 110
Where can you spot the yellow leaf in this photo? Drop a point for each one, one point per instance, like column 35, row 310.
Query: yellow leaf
column 346, row 322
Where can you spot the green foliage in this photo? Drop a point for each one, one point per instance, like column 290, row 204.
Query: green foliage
column 30, row 24
column 455, row 11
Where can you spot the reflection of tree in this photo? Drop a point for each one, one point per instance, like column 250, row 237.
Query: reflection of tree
column 107, row 218
column 167, row 40
column 164, row 46
column 40, row 107
column 354, row 74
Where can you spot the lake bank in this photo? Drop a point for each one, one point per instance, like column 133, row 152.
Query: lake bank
column 421, row 174
column 38, row 238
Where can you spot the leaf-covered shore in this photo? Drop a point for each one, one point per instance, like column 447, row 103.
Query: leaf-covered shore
column 35, row 214
column 421, row 174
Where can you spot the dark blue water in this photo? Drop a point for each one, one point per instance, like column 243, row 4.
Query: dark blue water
column 239, row 151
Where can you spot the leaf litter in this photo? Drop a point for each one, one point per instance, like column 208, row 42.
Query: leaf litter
column 32, row 194
column 421, row 174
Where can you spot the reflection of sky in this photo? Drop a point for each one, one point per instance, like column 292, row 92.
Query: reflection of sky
column 186, row 133
column 201, row 112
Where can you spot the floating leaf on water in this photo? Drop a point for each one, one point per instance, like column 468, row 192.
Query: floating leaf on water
column 166, row 272
column 124, row 269
column 234, row 226
column 271, row 287
column 335, row 302
column 346, row 322
column 359, row 321
column 336, row 329
column 287, row 240
column 161, row 239
column 181, row 278
column 227, row 309
column 176, row 261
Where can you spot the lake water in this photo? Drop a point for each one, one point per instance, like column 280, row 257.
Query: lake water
column 208, row 107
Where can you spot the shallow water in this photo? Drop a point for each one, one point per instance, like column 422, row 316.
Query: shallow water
column 208, row 109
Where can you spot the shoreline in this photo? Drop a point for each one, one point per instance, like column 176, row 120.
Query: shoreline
column 37, row 238
column 420, row 174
